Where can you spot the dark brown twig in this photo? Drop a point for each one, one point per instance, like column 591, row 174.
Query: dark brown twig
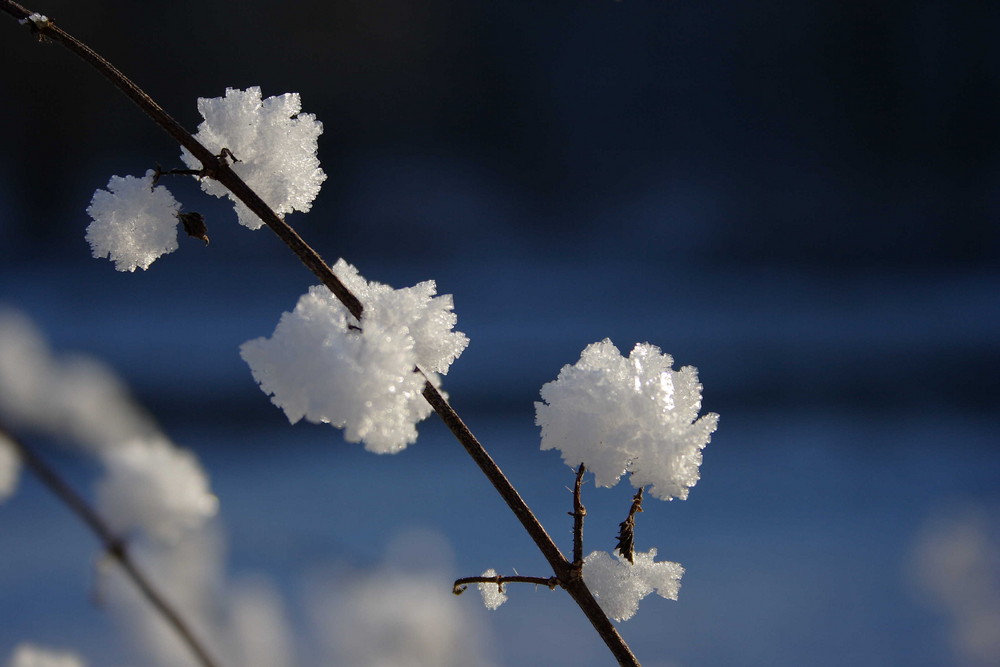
column 461, row 584
column 113, row 545
column 578, row 513
column 216, row 167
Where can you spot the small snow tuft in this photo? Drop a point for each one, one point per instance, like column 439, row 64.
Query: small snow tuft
column 632, row 414
column 322, row 365
column 274, row 145
column 134, row 223
column 619, row 585
column 493, row 595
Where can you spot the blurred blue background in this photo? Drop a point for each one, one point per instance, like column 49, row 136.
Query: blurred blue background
column 801, row 199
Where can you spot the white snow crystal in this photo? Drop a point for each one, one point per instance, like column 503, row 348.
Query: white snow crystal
column 275, row 146
column 321, row 365
column 153, row 485
column 10, row 466
column 133, row 222
column 635, row 415
column 493, row 597
column 619, row 585
column 29, row 655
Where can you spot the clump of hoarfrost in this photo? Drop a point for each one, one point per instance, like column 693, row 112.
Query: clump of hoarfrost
column 619, row 585
column 134, row 222
column 635, row 415
column 10, row 467
column 493, row 595
column 152, row 484
column 275, row 146
column 29, row 655
column 322, row 365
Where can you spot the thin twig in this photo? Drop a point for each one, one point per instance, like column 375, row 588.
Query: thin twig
column 626, row 529
column 579, row 511
column 461, row 584
column 217, row 168
column 113, row 545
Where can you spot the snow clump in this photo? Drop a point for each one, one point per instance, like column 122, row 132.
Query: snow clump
column 274, row 146
column 493, row 595
column 619, row 585
column 635, row 415
column 133, row 222
column 323, row 365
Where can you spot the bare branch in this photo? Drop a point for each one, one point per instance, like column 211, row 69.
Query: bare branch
column 113, row 545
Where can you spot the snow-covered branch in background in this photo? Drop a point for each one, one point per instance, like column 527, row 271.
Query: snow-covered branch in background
column 321, row 365
column 10, row 468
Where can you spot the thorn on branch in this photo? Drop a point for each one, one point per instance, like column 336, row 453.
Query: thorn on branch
column 226, row 153
column 194, row 225
column 626, row 532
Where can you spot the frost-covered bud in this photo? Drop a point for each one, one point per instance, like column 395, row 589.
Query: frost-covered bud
column 635, row 415
column 133, row 223
column 493, row 595
column 321, row 365
column 619, row 585
column 274, row 145
column 154, row 486
column 10, row 466
column 29, row 655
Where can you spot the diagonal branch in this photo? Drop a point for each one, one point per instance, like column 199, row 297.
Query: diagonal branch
column 216, row 168
column 113, row 545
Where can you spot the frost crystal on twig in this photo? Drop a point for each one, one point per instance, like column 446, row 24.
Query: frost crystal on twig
column 493, row 595
column 619, row 585
column 274, row 146
column 134, row 222
column 322, row 365
column 632, row 414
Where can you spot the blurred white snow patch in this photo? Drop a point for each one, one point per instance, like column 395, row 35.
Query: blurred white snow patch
column 393, row 615
column 634, row 414
column 259, row 635
column 153, row 485
column 72, row 396
column 493, row 595
column 189, row 574
column 322, row 365
column 134, row 222
column 29, row 655
column 619, row 585
column 274, row 145
column 10, row 467
column 957, row 565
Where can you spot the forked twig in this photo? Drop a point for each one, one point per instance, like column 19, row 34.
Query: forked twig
column 217, row 168
column 113, row 545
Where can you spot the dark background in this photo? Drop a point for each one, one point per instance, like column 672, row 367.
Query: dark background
column 801, row 199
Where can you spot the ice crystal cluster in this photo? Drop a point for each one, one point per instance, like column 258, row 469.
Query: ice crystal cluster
column 150, row 484
column 274, row 145
column 322, row 365
column 619, row 585
column 133, row 222
column 493, row 595
column 634, row 414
